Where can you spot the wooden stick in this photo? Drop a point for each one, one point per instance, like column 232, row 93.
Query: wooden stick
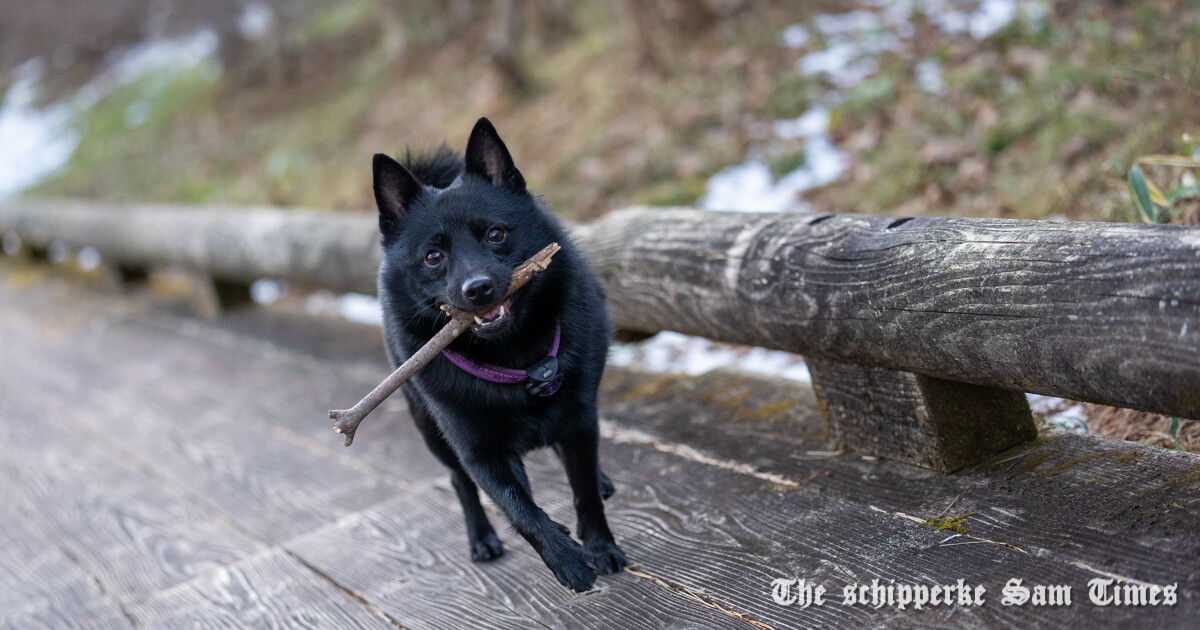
column 347, row 420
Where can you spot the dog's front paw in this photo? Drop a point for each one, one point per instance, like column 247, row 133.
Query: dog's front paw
column 485, row 548
column 572, row 565
column 607, row 557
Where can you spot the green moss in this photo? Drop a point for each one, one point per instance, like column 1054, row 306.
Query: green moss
column 786, row 162
column 956, row 524
column 791, row 96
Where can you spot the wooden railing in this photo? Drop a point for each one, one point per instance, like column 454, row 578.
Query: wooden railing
column 921, row 333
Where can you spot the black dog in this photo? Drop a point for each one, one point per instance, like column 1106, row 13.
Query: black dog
column 453, row 231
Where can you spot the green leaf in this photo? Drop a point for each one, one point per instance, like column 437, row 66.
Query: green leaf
column 1175, row 432
column 1157, row 196
column 1141, row 195
column 1169, row 160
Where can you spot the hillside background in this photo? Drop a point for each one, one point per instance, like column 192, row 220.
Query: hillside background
column 992, row 108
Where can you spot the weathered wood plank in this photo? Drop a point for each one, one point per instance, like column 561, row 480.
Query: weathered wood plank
column 1100, row 312
column 271, row 590
column 122, row 527
column 1124, row 507
column 409, row 557
column 730, row 535
column 918, row 419
column 196, row 438
column 40, row 587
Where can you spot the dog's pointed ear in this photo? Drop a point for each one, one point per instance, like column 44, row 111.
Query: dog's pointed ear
column 488, row 157
column 395, row 190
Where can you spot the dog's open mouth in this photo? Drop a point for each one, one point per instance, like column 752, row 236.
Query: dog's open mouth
column 494, row 317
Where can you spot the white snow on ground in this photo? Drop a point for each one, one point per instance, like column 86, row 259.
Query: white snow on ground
column 750, row 187
column 33, row 142
column 266, row 291
column 356, row 307
column 36, row 141
column 929, row 76
column 256, row 20
column 1070, row 420
column 88, row 259
column 683, row 354
column 853, row 42
column 795, row 36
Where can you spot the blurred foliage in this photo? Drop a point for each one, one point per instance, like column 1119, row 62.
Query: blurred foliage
column 641, row 102
column 1181, row 202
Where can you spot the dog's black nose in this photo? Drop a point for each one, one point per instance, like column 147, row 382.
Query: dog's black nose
column 479, row 290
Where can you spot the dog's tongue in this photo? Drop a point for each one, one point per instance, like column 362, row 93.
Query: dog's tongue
column 494, row 314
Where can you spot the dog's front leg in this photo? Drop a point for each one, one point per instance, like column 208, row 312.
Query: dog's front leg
column 503, row 479
column 580, row 457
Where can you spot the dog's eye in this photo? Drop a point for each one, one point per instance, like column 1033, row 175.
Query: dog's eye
column 434, row 258
column 495, row 235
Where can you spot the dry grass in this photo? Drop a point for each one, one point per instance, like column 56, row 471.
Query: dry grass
column 1139, row 426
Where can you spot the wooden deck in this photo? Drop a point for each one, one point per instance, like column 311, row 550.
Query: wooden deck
column 162, row 470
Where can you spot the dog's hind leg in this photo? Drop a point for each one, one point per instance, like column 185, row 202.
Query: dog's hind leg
column 485, row 545
column 502, row 476
column 606, row 485
column 581, row 459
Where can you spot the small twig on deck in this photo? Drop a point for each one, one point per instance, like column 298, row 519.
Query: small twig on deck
column 347, row 420
column 697, row 597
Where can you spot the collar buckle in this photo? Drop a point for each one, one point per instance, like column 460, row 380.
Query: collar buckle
column 544, row 377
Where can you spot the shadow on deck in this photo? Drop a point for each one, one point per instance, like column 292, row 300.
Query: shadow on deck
column 165, row 470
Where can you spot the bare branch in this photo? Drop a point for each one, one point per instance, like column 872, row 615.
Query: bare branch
column 347, row 420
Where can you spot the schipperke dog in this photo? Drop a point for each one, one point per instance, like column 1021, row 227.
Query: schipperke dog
column 526, row 374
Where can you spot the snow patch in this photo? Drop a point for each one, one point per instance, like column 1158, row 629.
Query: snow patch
column 675, row 353
column 266, row 291
column 36, row 141
column 88, row 259
column 929, row 76
column 256, row 20
column 750, row 187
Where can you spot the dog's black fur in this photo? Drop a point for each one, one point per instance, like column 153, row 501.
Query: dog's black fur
column 480, row 429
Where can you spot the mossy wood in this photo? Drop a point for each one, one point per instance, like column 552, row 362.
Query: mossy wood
column 930, row 422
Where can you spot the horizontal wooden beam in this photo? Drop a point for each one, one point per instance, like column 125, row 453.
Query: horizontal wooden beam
column 332, row 250
column 1102, row 312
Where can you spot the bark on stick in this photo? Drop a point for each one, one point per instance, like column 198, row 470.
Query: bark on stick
column 347, row 420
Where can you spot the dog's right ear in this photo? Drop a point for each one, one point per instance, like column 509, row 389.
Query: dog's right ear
column 395, row 191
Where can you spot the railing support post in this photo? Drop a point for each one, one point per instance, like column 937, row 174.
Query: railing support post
column 918, row 419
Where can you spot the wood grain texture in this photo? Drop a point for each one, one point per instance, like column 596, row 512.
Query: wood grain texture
column 409, row 557
column 271, row 590
column 40, row 587
column 122, row 527
column 918, row 419
column 196, row 439
column 1123, row 506
column 1108, row 313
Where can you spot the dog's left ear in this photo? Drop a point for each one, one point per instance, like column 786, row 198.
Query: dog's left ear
column 488, row 157
column 395, row 191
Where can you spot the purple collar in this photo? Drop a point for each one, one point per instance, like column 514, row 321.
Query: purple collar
column 543, row 379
